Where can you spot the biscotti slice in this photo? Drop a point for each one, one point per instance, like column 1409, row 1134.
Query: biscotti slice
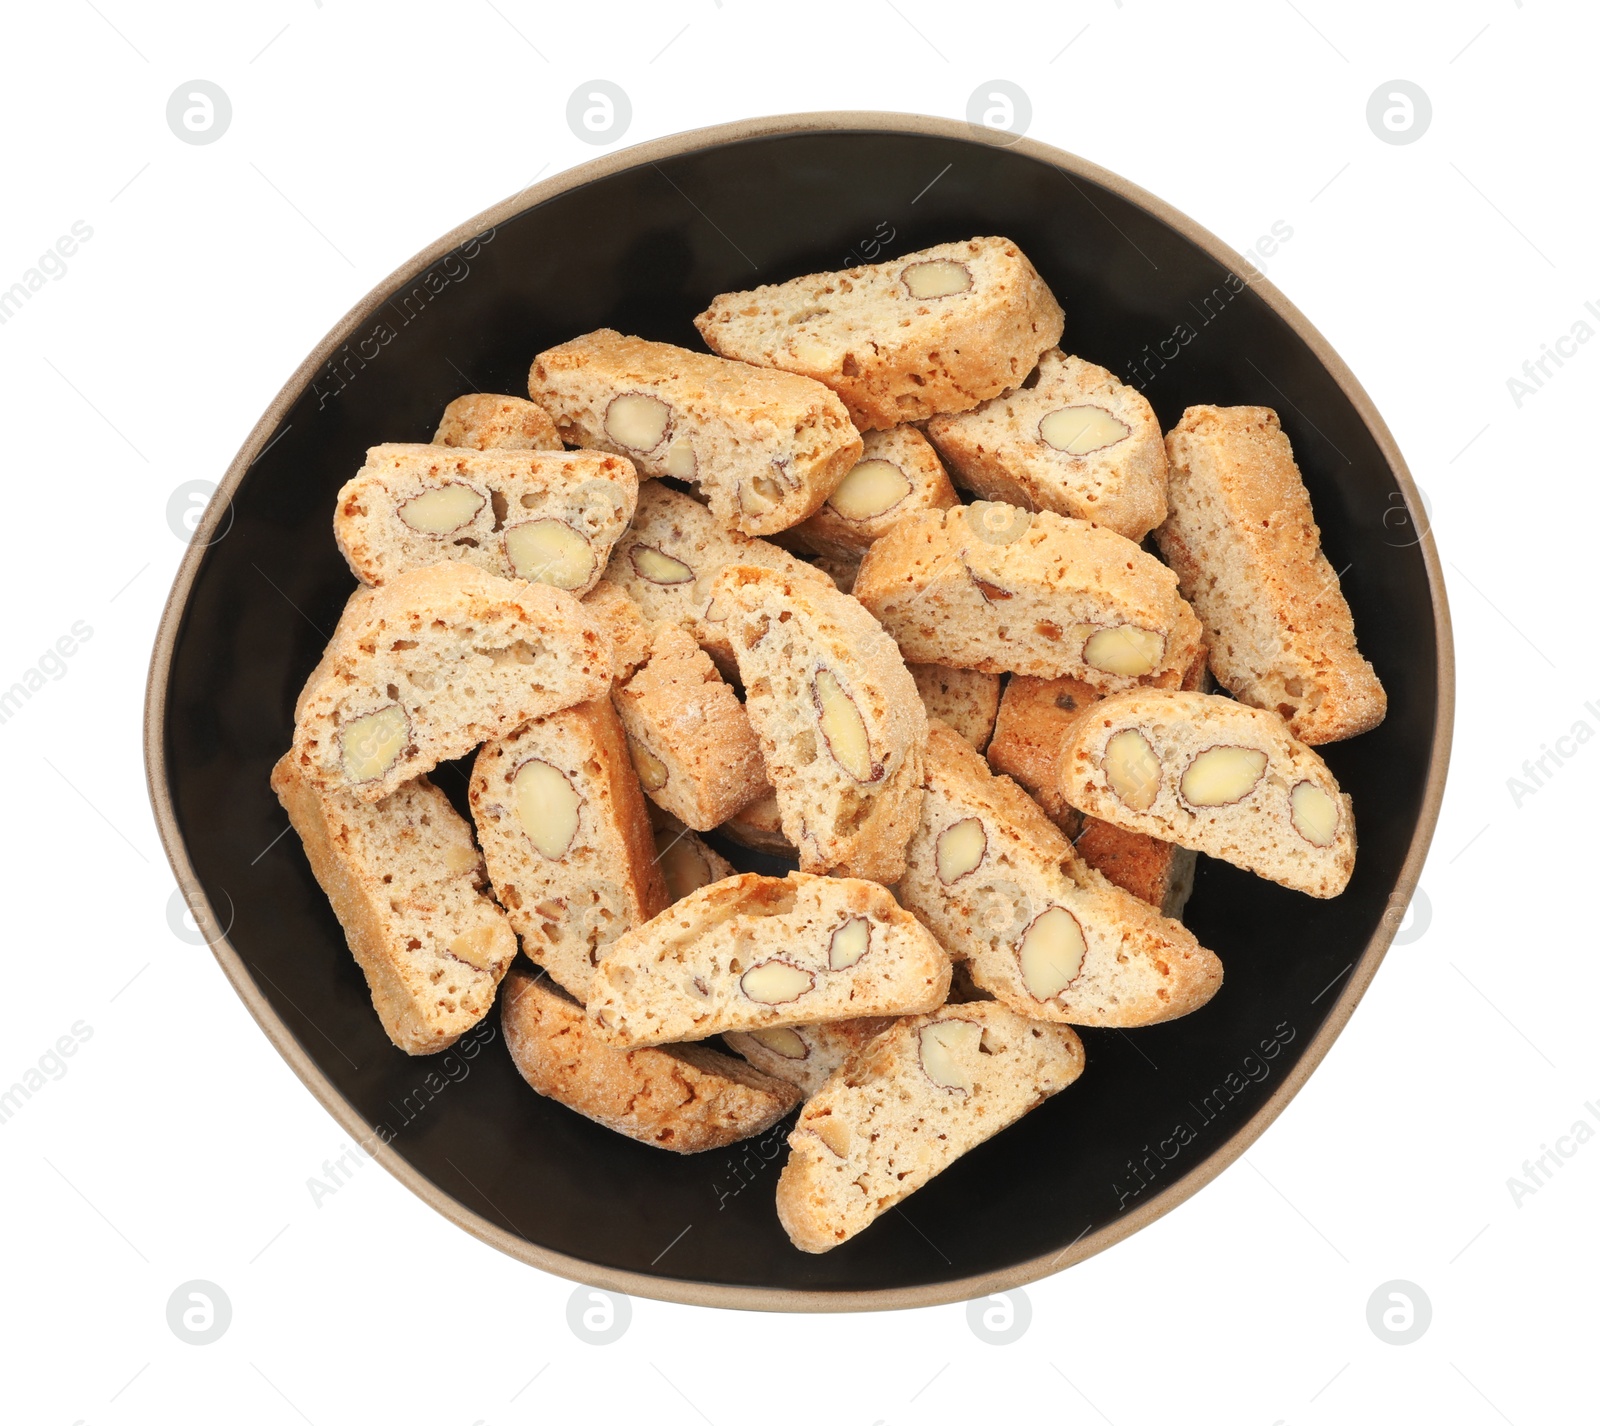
column 483, row 422
column 965, row 698
column 686, row 862
column 1248, row 554
column 671, row 554
column 435, row 662
column 839, row 720
column 568, row 841
column 898, row 473
column 999, row 885
column 1217, row 776
column 689, row 735
column 1074, row 440
column 907, row 1106
column 408, row 886
column 755, row 951
column 760, row 827
column 549, row 517
column 1035, row 715
column 687, row 1098
column 631, row 632
column 765, row 447
column 993, row 587
column 936, row 330
column 805, row 1055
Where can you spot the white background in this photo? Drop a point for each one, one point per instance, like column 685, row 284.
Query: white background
column 178, row 1145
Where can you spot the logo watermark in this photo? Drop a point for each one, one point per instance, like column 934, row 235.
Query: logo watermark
column 1000, row 111
column 1399, row 112
column 599, row 112
column 1398, row 1312
column 1001, row 1318
column 199, row 112
column 198, row 1312
column 598, row 1318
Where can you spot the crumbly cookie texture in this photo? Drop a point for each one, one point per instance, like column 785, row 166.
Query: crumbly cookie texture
column 567, row 838
column 409, row 888
column 548, row 517
column 765, row 447
column 1217, row 776
column 691, row 740
column 999, row 886
column 1073, row 439
column 907, row 1105
column 937, row 330
column 1248, row 554
column 483, row 422
column 435, row 662
column 631, row 632
column 1035, row 715
column 898, row 473
column 754, row 952
column 839, row 720
column 672, row 553
column 965, row 698
column 994, row 587
column 805, row 1055
column 686, row 1098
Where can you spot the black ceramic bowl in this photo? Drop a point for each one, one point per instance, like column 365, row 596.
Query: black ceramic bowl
column 640, row 241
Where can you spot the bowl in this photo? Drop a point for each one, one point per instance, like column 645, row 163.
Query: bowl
column 640, row 240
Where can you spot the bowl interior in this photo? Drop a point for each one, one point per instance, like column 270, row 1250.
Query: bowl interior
column 643, row 250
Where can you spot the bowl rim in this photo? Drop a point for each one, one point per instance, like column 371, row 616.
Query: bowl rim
column 709, row 1294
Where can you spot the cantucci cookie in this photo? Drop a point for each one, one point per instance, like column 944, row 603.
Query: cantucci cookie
column 754, row 952
column 999, row 886
column 671, row 554
column 687, row 1098
column 482, row 422
column 838, row 717
column 1245, row 545
column 408, row 886
column 907, row 1106
column 765, row 447
column 898, row 473
column 567, row 838
column 759, row 827
column 965, row 698
column 993, row 587
column 1217, row 776
column 686, row 862
column 549, row 517
column 936, row 330
column 1074, row 440
column 435, row 662
column 1035, row 715
column 689, row 735
column 625, row 622
column 805, row 1055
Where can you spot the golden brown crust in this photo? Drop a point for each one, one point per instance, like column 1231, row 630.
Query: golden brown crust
column 591, row 493
column 689, row 735
column 787, row 634
column 965, row 698
column 686, row 1098
column 993, row 587
column 1136, row 967
column 999, row 450
column 766, row 447
column 569, row 908
column 881, row 1127
column 347, row 843
column 485, row 422
column 905, row 451
column 893, row 357
column 1257, row 830
column 1245, row 544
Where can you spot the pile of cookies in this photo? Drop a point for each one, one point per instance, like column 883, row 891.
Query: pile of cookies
column 737, row 593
